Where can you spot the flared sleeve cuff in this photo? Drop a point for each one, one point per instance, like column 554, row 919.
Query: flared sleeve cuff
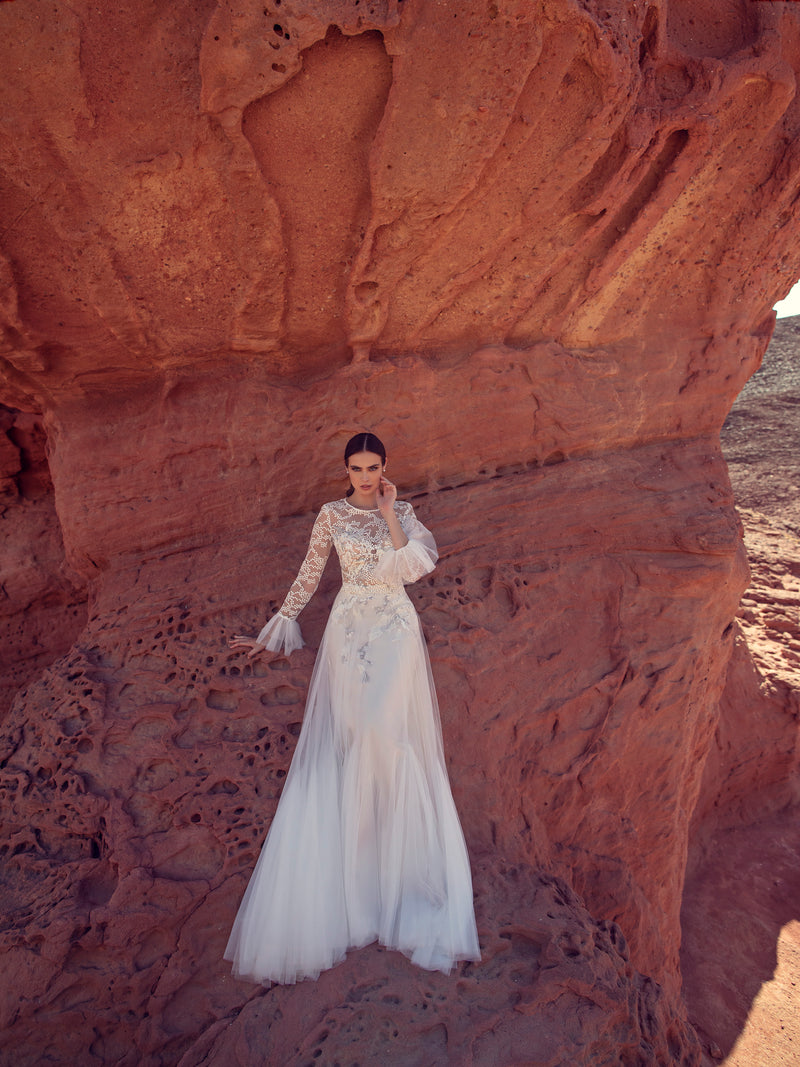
column 406, row 564
column 281, row 635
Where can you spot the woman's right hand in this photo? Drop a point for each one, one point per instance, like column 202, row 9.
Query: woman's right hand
column 243, row 641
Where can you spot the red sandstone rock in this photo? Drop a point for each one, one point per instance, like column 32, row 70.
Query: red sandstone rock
column 754, row 763
column 744, row 863
column 42, row 607
column 743, row 873
column 168, row 752
column 557, row 234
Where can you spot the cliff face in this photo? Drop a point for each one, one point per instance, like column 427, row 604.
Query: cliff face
column 535, row 249
column 42, row 607
column 743, row 872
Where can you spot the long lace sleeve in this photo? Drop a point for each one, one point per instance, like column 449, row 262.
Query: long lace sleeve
column 282, row 632
column 307, row 580
column 414, row 560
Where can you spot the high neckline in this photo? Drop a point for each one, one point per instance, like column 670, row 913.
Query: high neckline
column 364, row 511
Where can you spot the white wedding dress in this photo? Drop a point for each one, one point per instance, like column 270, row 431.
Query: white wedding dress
column 365, row 843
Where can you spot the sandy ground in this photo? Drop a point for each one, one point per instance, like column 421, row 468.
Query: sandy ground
column 761, row 437
column 741, row 917
column 778, row 1005
column 742, row 940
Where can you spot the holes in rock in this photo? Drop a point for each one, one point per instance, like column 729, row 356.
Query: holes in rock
column 156, row 775
column 649, row 35
column 220, row 701
column 282, row 695
column 554, row 457
column 98, row 887
column 224, row 786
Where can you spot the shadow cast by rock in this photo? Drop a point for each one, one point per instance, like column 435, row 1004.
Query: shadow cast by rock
column 736, row 902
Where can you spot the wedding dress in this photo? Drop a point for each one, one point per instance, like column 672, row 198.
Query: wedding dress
column 365, row 843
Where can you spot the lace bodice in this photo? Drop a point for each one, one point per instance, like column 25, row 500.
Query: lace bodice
column 365, row 551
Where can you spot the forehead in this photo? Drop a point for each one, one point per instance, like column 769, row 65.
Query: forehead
column 364, row 459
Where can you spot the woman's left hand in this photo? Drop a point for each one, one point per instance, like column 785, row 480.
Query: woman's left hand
column 240, row 641
column 387, row 495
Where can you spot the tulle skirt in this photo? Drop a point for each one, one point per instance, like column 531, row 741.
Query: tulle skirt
column 365, row 844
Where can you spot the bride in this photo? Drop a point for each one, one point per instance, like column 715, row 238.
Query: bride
column 365, row 843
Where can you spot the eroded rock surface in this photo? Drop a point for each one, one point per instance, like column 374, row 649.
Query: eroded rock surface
column 753, row 765
column 165, row 754
column 744, row 863
column 536, row 250
column 42, row 605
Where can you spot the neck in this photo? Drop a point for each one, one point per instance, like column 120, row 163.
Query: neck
column 363, row 500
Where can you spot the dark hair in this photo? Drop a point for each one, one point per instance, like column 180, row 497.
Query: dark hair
column 363, row 442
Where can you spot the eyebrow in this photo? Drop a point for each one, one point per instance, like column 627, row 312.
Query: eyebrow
column 372, row 467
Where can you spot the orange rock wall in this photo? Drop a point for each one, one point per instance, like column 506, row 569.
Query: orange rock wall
column 42, row 606
column 753, row 766
column 535, row 248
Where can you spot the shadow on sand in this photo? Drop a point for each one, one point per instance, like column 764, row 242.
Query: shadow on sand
column 736, row 902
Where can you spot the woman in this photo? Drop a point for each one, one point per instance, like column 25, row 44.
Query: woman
column 365, row 843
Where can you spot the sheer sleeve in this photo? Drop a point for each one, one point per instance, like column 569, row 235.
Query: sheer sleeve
column 307, row 580
column 414, row 560
column 282, row 632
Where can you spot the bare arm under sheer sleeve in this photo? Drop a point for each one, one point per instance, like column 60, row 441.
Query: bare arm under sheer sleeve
column 307, row 580
column 282, row 632
column 412, row 561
